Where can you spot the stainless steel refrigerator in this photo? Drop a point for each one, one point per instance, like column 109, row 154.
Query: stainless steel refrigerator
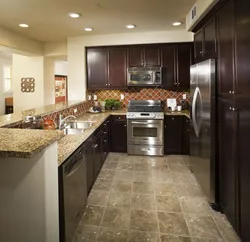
column 203, row 127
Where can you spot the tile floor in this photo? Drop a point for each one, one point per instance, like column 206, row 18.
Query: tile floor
column 137, row 199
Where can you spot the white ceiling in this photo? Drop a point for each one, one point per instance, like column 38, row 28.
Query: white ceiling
column 49, row 21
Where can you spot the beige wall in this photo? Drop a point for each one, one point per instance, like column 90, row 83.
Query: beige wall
column 203, row 6
column 55, row 49
column 76, row 53
column 24, row 66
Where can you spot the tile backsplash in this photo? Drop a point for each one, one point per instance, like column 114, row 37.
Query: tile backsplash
column 137, row 94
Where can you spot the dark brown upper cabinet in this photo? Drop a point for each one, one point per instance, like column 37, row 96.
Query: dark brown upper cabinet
column 176, row 62
column 205, row 41
column 107, row 68
column 144, row 55
column 97, row 67
column 225, row 33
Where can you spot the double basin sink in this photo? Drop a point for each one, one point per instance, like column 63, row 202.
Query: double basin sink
column 77, row 127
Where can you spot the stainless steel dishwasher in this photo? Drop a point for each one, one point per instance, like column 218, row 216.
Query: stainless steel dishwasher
column 72, row 193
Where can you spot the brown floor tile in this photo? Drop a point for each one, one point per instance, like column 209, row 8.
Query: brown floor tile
column 126, row 165
column 143, row 176
column 164, row 189
column 172, row 223
column 143, row 220
column 168, row 204
column 112, row 235
column 143, row 187
column 102, row 185
column 162, row 176
column 89, row 233
column 136, row 236
column 107, row 174
column 172, row 238
column 124, row 175
column 97, row 198
column 194, row 205
column 180, row 169
column 121, row 186
column 93, row 215
column 202, row 226
column 116, row 218
column 187, row 190
column 119, row 200
column 206, row 240
column 143, row 202
column 184, row 178
column 111, row 165
column 142, row 166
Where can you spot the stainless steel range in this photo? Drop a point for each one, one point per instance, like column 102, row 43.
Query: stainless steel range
column 145, row 128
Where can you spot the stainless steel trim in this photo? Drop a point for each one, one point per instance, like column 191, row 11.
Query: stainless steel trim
column 133, row 122
column 194, row 112
column 145, row 150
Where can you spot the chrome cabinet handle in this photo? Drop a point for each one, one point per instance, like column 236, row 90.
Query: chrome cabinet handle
column 172, row 118
column 96, row 145
column 230, row 92
column 230, row 108
column 125, row 125
column 139, row 123
column 165, row 126
column 201, row 52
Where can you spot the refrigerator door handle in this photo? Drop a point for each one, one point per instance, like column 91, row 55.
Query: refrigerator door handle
column 196, row 130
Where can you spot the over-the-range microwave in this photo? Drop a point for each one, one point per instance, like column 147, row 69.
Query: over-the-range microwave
column 144, row 76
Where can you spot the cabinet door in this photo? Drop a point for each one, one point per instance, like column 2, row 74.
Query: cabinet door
column 97, row 62
column 106, row 139
column 136, row 56
column 225, row 29
column 243, row 142
column 168, row 67
column 242, row 48
column 117, row 68
column 89, row 165
column 228, row 168
column 210, row 38
column 152, row 56
column 186, row 136
column 173, row 135
column 98, row 155
column 118, row 134
column 198, row 44
column 184, row 61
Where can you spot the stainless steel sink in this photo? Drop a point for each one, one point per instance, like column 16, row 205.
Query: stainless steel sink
column 73, row 131
column 79, row 125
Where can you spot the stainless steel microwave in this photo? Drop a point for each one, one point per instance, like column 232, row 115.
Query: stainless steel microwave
column 144, row 76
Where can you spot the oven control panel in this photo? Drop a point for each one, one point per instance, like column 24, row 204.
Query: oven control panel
column 145, row 115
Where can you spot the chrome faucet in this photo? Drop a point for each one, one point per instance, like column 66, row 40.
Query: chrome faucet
column 63, row 120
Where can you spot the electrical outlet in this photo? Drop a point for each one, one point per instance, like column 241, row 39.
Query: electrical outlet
column 122, row 96
column 89, row 97
column 184, row 96
column 75, row 110
column 95, row 97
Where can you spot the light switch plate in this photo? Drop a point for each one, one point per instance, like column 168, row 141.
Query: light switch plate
column 95, row 97
column 75, row 110
column 122, row 96
column 89, row 97
column 184, row 96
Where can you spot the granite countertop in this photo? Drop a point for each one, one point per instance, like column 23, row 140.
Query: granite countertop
column 69, row 143
column 24, row 143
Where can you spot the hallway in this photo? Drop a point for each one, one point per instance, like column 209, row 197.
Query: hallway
column 137, row 199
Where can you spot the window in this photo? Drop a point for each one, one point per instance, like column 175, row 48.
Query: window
column 7, row 78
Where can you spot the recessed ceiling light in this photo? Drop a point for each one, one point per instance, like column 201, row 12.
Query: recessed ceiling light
column 177, row 23
column 24, row 25
column 88, row 29
column 130, row 26
column 74, row 15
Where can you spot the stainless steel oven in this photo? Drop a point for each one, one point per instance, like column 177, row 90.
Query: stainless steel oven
column 144, row 76
column 146, row 132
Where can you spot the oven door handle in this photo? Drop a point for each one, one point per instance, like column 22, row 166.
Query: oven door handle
column 139, row 122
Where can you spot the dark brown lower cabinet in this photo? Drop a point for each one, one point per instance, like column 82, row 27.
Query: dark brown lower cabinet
column 118, row 134
column 89, row 164
column 98, row 154
column 228, row 165
column 186, row 136
column 106, row 138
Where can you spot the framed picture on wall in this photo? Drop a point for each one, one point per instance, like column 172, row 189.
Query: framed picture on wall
column 61, row 88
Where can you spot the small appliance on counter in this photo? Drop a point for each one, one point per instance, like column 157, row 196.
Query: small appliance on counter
column 145, row 128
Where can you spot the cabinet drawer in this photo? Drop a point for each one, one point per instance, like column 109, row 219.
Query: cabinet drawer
column 119, row 118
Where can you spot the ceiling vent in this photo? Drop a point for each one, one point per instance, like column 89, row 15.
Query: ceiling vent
column 193, row 13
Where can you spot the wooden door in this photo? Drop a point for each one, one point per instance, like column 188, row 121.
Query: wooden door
column 97, row 63
column 98, row 155
column 168, row 66
column 210, row 38
column 117, row 68
column 184, row 62
column 173, row 135
column 225, row 29
column 242, row 48
column 243, row 158
column 118, row 134
column 152, row 56
column 136, row 56
column 228, row 168
column 89, row 164
column 198, row 45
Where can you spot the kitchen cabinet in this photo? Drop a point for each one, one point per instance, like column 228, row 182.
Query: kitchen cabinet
column 205, row 41
column 106, row 138
column 144, row 55
column 118, row 134
column 98, row 154
column 176, row 62
column 107, row 68
column 89, row 163
column 97, row 68
column 186, row 135
column 173, row 134
column 226, row 44
column 228, row 163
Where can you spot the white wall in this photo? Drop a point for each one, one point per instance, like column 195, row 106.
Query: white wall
column 29, row 204
column 49, row 82
column 55, row 49
column 202, row 7
column 4, row 60
column 76, row 53
column 61, row 67
column 24, row 66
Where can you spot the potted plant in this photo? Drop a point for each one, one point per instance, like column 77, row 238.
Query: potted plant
column 112, row 104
